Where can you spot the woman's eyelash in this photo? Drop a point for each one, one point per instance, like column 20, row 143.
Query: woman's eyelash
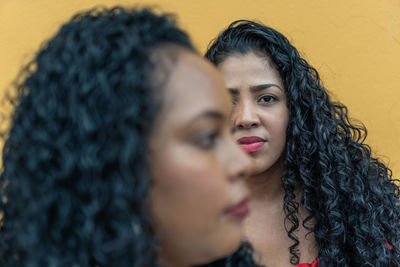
column 207, row 140
column 267, row 99
column 234, row 100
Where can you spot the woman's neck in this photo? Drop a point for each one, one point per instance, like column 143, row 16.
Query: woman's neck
column 267, row 186
column 167, row 258
column 168, row 263
column 265, row 226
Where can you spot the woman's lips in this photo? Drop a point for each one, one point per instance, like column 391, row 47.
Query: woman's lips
column 240, row 210
column 251, row 144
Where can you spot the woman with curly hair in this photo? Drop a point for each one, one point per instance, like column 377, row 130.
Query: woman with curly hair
column 120, row 151
column 319, row 196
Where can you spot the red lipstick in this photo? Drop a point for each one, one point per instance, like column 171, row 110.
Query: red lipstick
column 251, row 144
column 240, row 210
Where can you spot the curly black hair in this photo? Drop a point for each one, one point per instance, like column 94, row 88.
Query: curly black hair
column 350, row 194
column 74, row 179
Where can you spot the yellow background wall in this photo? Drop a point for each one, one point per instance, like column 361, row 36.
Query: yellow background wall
column 355, row 45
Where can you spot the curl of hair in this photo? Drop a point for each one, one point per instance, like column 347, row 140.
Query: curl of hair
column 351, row 196
column 75, row 179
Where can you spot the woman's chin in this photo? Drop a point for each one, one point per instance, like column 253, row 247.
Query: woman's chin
column 230, row 248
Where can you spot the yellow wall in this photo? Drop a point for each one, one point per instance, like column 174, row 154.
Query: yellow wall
column 355, row 45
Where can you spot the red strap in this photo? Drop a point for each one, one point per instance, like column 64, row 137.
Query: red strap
column 313, row 264
column 388, row 245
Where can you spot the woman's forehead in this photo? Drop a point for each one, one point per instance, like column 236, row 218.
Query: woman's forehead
column 194, row 85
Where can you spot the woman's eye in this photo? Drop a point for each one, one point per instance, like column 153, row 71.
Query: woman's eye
column 234, row 101
column 208, row 140
column 267, row 99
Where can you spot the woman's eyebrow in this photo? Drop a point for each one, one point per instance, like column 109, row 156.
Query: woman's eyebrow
column 255, row 88
column 207, row 114
column 260, row 87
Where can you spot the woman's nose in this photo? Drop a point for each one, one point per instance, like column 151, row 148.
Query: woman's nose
column 244, row 116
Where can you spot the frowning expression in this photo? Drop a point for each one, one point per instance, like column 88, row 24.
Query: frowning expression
column 260, row 114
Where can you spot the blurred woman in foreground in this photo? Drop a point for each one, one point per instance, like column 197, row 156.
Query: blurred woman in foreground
column 119, row 151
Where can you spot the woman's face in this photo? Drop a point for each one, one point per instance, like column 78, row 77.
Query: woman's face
column 198, row 199
column 260, row 115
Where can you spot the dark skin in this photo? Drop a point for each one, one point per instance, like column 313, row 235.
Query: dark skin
column 260, row 110
column 197, row 168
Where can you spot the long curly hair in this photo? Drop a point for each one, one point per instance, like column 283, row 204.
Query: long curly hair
column 351, row 195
